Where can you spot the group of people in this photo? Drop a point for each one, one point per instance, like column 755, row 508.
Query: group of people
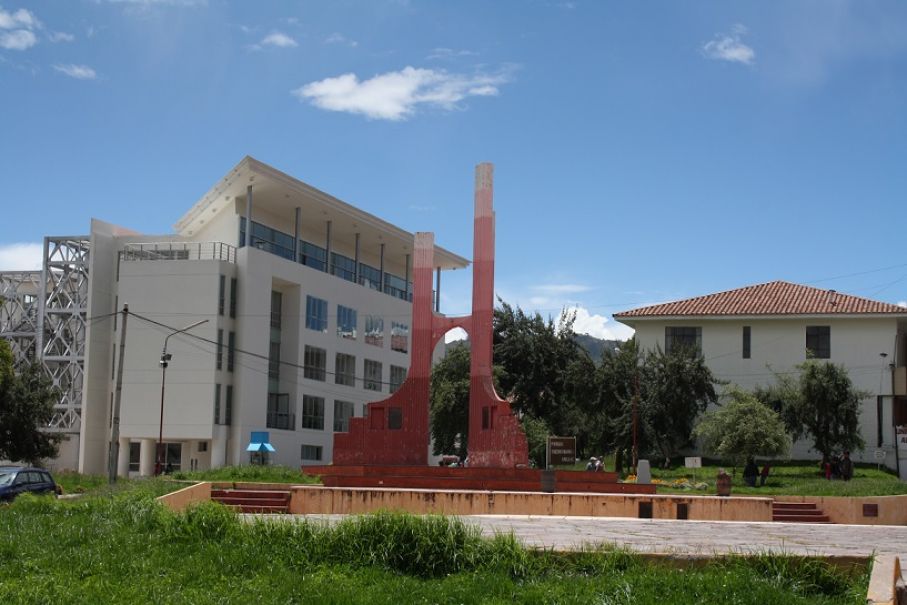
column 751, row 473
column 838, row 467
column 595, row 464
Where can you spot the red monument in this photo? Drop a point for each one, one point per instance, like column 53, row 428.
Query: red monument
column 396, row 429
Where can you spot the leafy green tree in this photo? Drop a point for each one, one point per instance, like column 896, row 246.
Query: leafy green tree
column 537, row 432
column 26, row 404
column 742, row 428
column 449, row 396
column 821, row 404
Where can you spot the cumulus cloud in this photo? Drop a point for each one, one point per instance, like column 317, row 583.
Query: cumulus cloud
column 336, row 38
column 21, row 257
column 455, row 334
column 79, row 72
column 729, row 47
column 902, row 303
column 278, row 39
column 17, row 29
column 562, row 288
column 598, row 326
column 60, row 37
column 396, row 95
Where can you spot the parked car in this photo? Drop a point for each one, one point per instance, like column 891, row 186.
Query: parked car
column 15, row 480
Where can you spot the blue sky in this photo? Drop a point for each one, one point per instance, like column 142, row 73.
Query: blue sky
column 644, row 152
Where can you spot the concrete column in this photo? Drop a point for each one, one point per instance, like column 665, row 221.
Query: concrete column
column 357, row 258
column 186, row 455
column 219, row 447
column 147, row 457
column 381, row 268
column 123, row 458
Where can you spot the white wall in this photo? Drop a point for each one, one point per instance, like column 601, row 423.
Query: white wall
column 778, row 345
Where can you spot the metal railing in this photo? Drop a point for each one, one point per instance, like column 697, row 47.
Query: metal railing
column 179, row 251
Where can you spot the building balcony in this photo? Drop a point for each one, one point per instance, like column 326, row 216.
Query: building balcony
column 178, row 251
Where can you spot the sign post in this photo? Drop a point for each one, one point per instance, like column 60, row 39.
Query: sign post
column 693, row 462
column 561, row 451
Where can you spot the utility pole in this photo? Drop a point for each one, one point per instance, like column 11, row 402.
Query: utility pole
column 114, row 450
column 635, row 418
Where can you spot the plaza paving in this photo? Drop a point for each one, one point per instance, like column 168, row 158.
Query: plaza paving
column 667, row 536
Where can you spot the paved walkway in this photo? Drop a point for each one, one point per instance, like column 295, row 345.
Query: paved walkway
column 692, row 537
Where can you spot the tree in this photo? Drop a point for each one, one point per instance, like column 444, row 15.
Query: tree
column 821, row 404
column 742, row 428
column 449, row 396
column 26, row 404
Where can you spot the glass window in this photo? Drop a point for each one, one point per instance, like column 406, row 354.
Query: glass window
column 343, row 267
column 316, row 314
column 217, row 403
column 280, row 413
column 276, row 306
column 397, row 287
column 399, row 337
column 398, row 375
column 345, row 369
column 346, row 322
column 372, row 380
column 683, row 338
column 746, row 342
column 311, row 452
column 818, row 342
column 232, row 297
column 313, row 412
column 274, row 360
column 312, row 256
column 228, row 405
column 374, row 330
column 220, row 296
column 394, row 418
column 219, row 355
column 267, row 239
column 315, row 363
column 135, row 456
column 173, row 456
column 231, row 350
column 369, row 276
column 343, row 411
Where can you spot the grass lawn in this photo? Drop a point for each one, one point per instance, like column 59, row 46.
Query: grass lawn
column 122, row 547
column 250, row 473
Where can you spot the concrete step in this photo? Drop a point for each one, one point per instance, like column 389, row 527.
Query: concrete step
column 259, row 509
column 794, row 506
column 801, row 518
column 248, row 493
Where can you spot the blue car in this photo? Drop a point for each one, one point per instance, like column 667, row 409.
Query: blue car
column 15, row 480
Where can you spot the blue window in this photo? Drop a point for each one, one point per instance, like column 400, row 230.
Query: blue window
column 346, row 322
column 316, row 314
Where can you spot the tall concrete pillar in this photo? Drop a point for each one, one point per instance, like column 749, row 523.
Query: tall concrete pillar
column 219, row 447
column 123, row 458
column 147, row 457
column 186, row 456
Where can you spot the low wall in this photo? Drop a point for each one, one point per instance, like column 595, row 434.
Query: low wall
column 883, row 582
column 346, row 501
column 888, row 510
column 180, row 499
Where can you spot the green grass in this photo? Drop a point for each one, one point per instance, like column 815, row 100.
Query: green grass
column 122, row 547
column 249, row 473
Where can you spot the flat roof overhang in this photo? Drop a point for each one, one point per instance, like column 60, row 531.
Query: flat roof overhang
column 278, row 193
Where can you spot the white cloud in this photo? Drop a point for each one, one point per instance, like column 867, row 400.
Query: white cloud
column 449, row 53
column 729, row 47
column 562, row 288
column 18, row 20
column 455, row 334
column 396, row 95
column 19, row 26
column 279, row 40
column 18, row 39
column 21, row 257
column 79, row 72
column 60, row 37
column 336, row 38
column 598, row 325
column 902, row 303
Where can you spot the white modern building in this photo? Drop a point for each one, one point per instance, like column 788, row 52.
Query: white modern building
column 305, row 304
column 750, row 334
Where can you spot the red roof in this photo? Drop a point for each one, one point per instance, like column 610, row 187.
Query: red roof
column 773, row 298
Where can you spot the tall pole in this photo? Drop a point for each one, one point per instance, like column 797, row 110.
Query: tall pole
column 635, row 418
column 165, row 361
column 114, row 450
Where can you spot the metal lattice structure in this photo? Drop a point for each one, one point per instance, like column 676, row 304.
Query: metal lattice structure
column 62, row 324
column 20, row 296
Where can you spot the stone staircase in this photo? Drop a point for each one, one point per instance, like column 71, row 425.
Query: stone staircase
column 798, row 512
column 254, row 501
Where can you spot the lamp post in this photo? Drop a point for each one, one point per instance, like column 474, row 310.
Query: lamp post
column 165, row 360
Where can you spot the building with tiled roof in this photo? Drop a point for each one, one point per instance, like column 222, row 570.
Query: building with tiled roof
column 749, row 335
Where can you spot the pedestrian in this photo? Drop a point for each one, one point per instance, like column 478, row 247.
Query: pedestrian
column 845, row 466
column 766, row 469
column 750, row 472
column 593, row 462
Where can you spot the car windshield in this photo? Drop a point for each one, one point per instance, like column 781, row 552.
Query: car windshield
column 6, row 478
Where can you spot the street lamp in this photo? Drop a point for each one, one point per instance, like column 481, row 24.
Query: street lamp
column 165, row 360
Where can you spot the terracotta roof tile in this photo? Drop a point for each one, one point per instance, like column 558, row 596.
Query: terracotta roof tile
column 773, row 298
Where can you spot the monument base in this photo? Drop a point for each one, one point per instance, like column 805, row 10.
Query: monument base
column 472, row 478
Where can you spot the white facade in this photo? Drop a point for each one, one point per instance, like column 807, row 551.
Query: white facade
column 207, row 272
column 777, row 344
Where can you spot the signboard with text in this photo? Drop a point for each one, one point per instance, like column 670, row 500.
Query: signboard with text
column 561, row 451
column 692, row 462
